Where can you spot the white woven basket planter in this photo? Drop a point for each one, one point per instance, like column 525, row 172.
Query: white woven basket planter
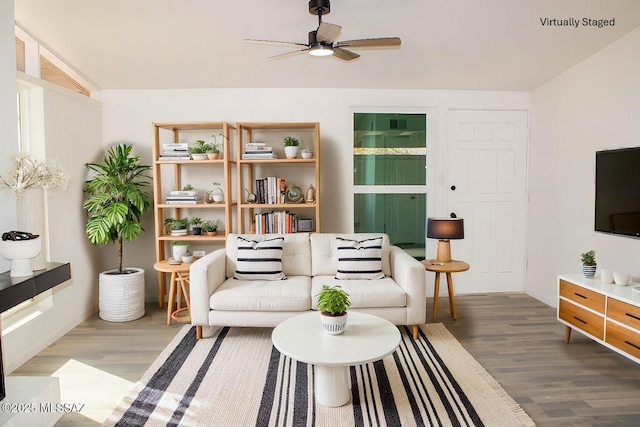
column 121, row 296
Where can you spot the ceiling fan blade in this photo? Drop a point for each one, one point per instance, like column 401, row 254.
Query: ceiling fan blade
column 364, row 43
column 257, row 41
column 328, row 32
column 345, row 55
column 288, row 54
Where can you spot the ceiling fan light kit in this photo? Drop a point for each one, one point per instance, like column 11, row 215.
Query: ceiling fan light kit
column 323, row 41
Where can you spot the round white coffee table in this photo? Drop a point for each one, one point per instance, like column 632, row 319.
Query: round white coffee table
column 367, row 338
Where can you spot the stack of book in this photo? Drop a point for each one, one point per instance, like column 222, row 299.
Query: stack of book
column 175, row 151
column 270, row 190
column 184, row 197
column 257, row 150
column 279, row 222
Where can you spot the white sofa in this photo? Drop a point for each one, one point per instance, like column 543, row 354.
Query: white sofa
column 308, row 262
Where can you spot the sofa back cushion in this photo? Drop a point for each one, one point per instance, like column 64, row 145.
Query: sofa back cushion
column 296, row 252
column 324, row 252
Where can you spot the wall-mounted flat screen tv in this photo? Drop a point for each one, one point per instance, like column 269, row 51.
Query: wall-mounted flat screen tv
column 618, row 191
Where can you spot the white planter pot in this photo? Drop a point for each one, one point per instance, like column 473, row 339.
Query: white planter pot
column 178, row 250
column 334, row 325
column 291, row 151
column 121, row 296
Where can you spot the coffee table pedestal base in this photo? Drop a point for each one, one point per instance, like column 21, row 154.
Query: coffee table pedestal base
column 332, row 385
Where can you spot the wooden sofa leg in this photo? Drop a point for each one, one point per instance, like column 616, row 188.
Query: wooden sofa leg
column 415, row 331
column 198, row 332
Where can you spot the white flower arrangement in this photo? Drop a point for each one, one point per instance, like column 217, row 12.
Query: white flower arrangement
column 26, row 172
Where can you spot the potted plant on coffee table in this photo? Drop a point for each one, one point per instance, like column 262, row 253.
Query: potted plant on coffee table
column 333, row 303
column 589, row 264
column 117, row 201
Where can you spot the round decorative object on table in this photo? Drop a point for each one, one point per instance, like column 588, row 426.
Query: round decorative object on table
column 20, row 252
column 446, row 267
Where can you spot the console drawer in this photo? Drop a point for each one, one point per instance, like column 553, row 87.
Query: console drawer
column 582, row 296
column 624, row 313
column 623, row 338
column 582, row 319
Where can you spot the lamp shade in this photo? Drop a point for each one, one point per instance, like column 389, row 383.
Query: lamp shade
column 445, row 228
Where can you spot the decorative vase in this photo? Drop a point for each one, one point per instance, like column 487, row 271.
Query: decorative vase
column 213, row 156
column 187, row 259
column 291, row 151
column 121, row 296
column 31, row 218
column 589, row 270
column 20, row 252
column 333, row 325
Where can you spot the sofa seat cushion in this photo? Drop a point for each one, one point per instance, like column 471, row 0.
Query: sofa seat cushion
column 363, row 293
column 292, row 294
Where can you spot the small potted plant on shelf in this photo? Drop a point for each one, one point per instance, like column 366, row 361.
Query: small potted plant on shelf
column 199, row 150
column 187, row 257
column 196, row 225
column 291, row 147
column 589, row 264
column 214, row 149
column 306, row 153
column 333, row 303
column 177, row 226
column 216, row 195
column 179, row 248
column 211, row 226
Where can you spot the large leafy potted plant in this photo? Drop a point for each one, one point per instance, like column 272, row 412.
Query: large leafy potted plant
column 117, row 201
column 333, row 303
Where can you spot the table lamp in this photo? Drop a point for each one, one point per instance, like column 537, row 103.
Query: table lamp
column 445, row 229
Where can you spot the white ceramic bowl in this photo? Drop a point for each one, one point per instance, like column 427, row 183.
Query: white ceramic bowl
column 307, row 155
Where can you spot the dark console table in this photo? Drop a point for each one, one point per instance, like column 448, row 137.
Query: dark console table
column 14, row 290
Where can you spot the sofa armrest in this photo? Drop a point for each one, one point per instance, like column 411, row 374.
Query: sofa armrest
column 410, row 275
column 205, row 275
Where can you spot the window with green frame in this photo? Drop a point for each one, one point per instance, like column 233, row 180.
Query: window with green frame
column 389, row 176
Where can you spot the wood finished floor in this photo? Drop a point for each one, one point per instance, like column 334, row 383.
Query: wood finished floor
column 515, row 337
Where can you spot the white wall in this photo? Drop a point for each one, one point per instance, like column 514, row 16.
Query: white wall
column 595, row 105
column 72, row 133
column 8, row 113
column 128, row 115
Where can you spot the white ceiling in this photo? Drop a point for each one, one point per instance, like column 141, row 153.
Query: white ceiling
column 446, row 44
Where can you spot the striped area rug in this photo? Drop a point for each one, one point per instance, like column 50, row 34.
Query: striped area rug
column 235, row 377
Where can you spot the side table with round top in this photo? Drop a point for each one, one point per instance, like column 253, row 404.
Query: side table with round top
column 178, row 286
column 367, row 338
column 446, row 267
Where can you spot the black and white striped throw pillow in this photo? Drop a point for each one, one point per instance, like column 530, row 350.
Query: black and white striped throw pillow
column 259, row 260
column 359, row 259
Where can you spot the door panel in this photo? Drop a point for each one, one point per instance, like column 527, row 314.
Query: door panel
column 487, row 166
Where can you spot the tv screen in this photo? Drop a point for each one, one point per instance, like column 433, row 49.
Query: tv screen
column 618, row 191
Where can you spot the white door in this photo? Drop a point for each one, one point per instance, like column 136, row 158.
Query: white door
column 487, row 187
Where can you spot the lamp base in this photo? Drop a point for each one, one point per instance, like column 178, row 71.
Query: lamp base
column 444, row 251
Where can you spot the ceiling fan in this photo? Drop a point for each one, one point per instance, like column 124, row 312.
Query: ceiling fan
column 322, row 42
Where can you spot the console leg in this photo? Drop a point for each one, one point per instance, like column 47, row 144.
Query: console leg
column 567, row 334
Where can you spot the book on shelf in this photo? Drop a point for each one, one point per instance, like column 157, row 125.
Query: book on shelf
column 183, row 193
column 275, row 222
column 258, row 156
column 183, row 202
column 175, row 147
column 173, row 158
column 270, row 190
